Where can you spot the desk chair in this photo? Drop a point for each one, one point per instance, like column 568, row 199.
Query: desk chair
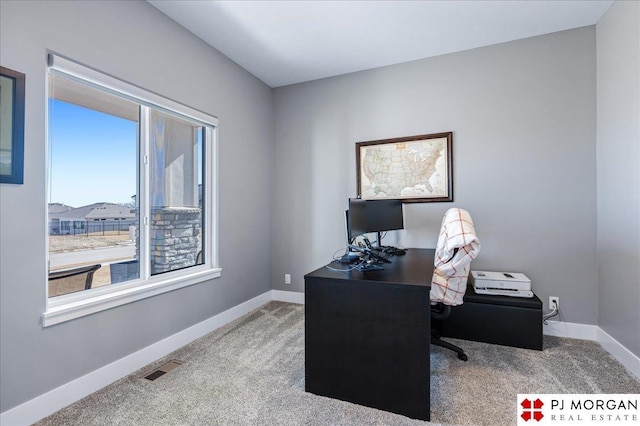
column 457, row 246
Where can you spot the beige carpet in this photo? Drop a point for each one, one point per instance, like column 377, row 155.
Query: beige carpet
column 251, row 372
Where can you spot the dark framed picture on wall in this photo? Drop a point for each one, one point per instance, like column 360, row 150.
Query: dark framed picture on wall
column 415, row 169
column 11, row 126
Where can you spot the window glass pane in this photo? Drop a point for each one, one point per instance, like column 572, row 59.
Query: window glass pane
column 93, row 187
column 176, row 170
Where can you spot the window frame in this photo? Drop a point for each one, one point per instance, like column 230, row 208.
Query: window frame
column 74, row 305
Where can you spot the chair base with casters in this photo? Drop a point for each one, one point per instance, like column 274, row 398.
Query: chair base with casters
column 440, row 311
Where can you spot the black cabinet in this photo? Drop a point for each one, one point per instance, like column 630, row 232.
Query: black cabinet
column 502, row 320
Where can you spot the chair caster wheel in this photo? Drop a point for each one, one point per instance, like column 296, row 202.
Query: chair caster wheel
column 463, row 357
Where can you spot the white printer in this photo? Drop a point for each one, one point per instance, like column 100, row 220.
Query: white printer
column 501, row 283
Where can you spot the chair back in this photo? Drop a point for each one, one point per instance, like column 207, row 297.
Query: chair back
column 457, row 246
column 71, row 280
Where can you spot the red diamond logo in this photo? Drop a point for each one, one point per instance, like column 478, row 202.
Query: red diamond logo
column 532, row 410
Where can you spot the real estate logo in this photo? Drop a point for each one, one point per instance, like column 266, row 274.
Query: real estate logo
column 579, row 409
column 532, row 409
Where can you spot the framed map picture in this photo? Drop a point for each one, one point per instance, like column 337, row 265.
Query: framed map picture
column 415, row 169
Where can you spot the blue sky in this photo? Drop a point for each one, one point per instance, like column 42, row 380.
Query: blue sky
column 93, row 156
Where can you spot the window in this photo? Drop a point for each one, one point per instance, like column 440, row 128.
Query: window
column 138, row 175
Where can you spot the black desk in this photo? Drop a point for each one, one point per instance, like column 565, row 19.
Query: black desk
column 367, row 335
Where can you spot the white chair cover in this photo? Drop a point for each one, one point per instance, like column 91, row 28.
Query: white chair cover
column 452, row 270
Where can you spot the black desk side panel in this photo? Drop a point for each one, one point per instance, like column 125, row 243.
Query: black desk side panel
column 367, row 342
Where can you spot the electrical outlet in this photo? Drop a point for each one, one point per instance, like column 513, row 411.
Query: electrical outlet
column 554, row 301
column 287, row 278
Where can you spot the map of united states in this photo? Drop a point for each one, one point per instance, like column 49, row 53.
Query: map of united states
column 408, row 169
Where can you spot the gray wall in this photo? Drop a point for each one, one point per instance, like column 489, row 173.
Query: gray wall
column 523, row 115
column 524, row 120
column 618, row 153
column 135, row 42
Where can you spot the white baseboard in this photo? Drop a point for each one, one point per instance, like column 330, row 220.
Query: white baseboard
column 592, row 332
column 570, row 329
column 52, row 401
column 619, row 352
column 288, row 296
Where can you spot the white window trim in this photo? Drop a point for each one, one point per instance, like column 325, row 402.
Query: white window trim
column 102, row 80
column 67, row 307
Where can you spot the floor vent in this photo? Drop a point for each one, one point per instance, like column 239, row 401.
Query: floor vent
column 161, row 371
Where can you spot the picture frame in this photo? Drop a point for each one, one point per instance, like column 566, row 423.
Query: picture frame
column 414, row 169
column 12, row 90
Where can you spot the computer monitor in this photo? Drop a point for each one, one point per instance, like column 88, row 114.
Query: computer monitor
column 366, row 216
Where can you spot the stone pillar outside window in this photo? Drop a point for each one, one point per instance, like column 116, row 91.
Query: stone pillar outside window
column 175, row 237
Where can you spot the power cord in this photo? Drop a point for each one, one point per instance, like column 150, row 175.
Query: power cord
column 351, row 268
column 336, row 258
column 555, row 309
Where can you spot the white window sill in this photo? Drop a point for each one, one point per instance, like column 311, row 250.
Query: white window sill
column 76, row 305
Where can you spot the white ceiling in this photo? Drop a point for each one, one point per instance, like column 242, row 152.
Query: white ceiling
column 286, row 42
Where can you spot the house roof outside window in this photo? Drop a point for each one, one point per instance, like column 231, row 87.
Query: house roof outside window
column 55, row 209
column 91, row 212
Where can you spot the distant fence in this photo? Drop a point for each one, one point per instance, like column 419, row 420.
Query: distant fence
column 93, row 229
